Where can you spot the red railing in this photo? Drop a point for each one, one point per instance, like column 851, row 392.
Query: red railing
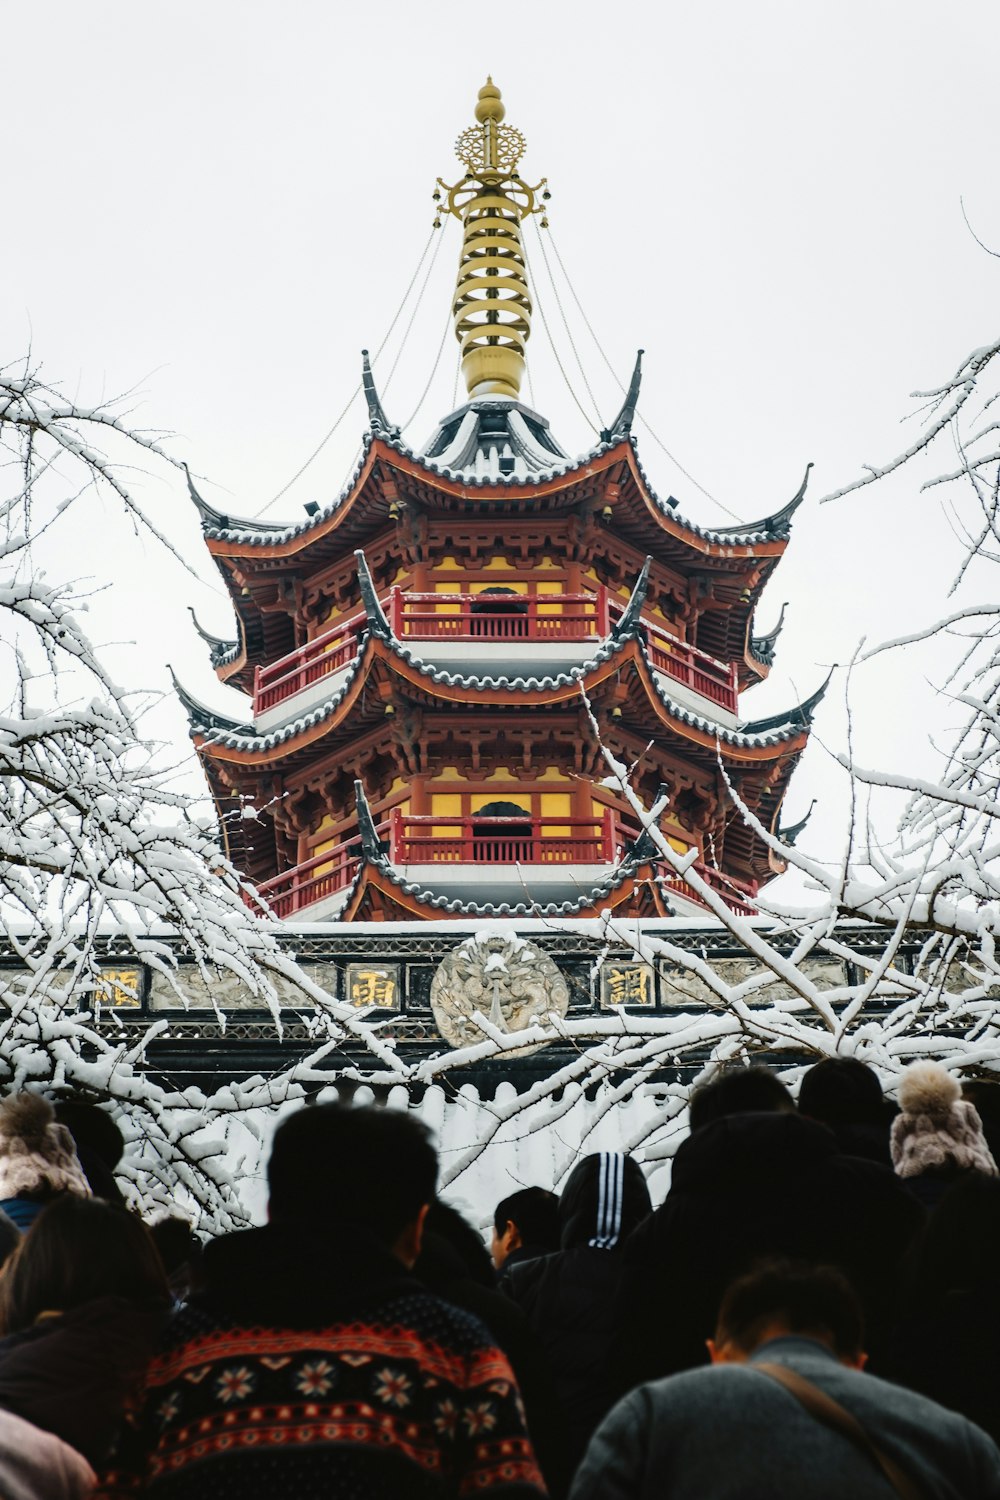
column 310, row 663
column 737, row 894
column 488, row 616
column 504, row 841
column 687, row 664
column 323, row 875
column 476, row 840
column 493, row 617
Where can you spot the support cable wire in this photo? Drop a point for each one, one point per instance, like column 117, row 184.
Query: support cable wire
column 416, row 308
column 357, row 389
column 430, row 378
column 565, row 323
column 531, row 388
column 458, row 371
column 552, row 343
column 655, row 436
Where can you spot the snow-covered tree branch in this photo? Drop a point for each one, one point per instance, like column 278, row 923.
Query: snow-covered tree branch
column 94, row 839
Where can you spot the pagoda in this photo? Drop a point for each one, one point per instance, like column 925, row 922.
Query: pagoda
column 436, row 663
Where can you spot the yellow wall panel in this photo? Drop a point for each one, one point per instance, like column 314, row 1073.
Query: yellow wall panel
column 482, row 799
column 513, row 583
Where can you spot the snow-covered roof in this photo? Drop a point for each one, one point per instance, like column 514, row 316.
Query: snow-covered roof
column 487, row 444
column 232, row 735
column 456, row 906
column 493, row 438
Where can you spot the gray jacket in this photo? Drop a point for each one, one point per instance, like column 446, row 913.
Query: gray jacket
column 730, row 1433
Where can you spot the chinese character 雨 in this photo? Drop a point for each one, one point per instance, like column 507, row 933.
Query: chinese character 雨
column 373, row 987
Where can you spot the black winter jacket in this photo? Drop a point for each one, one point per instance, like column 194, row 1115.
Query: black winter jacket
column 745, row 1187
column 570, row 1296
column 73, row 1374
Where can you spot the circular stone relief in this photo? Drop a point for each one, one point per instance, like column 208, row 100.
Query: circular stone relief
column 502, row 977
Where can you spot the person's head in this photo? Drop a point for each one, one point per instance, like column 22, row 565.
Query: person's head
column 175, row 1241
column 92, row 1127
column 739, row 1091
column 77, row 1250
column 447, row 1224
column 335, row 1168
column 937, row 1132
column 778, row 1298
column 842, row 1091
column 529, row 1217
column 37, row 1156
column 604, row 1199
column 180, row 1250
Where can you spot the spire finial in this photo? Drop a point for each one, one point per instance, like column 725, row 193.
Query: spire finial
column 490, row 105
column 492, row 306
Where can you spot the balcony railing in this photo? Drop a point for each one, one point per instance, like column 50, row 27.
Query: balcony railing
column 491, row 616
column 687, row 664
column 554, row 840
column 739, row 895
column 312, row 662
column 324, row 875
column 484, row 617
column 414, row 840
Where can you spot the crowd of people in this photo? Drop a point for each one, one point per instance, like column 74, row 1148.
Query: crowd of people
column 812, row 1311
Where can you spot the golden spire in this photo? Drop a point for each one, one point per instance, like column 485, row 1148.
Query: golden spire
column 492, row 307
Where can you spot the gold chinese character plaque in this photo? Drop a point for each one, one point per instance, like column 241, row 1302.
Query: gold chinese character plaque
column 120, row 988
column 627, row 984
column 370, row 984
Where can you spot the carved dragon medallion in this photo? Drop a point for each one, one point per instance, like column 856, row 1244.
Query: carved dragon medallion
column 500, row 976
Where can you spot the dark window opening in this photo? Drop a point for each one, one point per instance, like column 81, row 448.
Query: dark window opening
column 506, row 843
column 500, row 614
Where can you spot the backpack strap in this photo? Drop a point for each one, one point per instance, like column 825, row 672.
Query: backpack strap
column 823, row 1407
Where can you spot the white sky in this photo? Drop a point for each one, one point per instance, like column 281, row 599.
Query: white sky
column 220, row 203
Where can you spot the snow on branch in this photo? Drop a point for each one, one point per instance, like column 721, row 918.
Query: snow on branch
column 94, row 840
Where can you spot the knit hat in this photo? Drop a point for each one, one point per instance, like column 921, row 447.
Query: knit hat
column 36, row 1153
column 937, row 1129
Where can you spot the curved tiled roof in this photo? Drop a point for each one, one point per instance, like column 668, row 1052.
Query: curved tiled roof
column 486, row 472
column 456, row 907
column 232, row 735
column 494, row 438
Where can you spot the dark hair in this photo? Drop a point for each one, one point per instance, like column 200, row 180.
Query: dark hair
column 535, row 1211
column 816, row 1301
column 79, row 1249
column 92, row 1127
column 842, row 1091
column 451, row 1226
column 175, row 1241
column 333, row 1165
column 739, row 1091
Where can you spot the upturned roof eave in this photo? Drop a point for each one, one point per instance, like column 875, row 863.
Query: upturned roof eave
column 247, row 541
column 620, row 887
column 233, row 744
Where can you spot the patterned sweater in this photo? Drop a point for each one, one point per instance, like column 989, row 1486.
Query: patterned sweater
column 393, row 1393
